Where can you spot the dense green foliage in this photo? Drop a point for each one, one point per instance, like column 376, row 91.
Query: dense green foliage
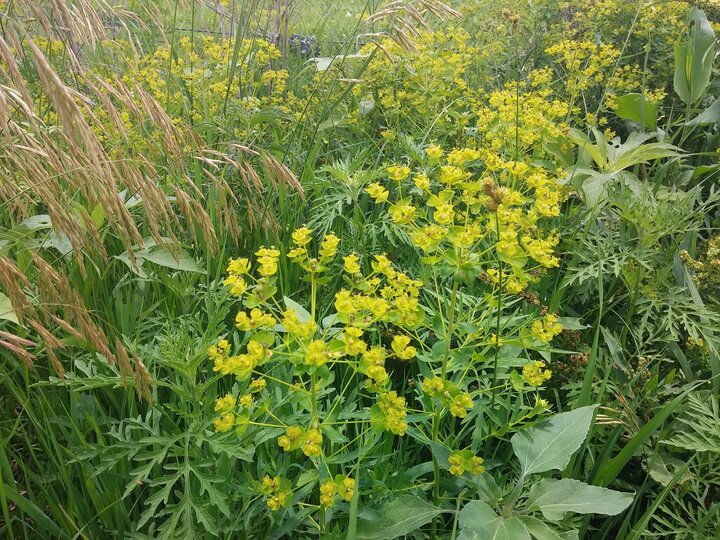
column 445, row 270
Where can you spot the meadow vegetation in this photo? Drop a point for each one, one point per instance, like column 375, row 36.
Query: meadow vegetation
column 442, row 270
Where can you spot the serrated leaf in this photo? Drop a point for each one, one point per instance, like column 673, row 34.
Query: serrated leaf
column 478, row 521
column 399, row 517
column 554, row 498
column 550, row 443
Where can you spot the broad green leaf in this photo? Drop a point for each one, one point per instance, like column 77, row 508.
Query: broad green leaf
column 164, row 257
column 301, row 313
column 399, row 517
column 556, row 497
column 643, row 154
column 694, row 58
column 550, row 443
column 711, row 115
column 478, row 521
column 7, row 312
column 36, row 223
column 540, row 530
column 636, row 108
column 586, row 145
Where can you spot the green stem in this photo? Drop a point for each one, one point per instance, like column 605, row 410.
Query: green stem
column 449, row 331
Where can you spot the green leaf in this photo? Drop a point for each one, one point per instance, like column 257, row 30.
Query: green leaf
column 550, row 443
column 643, row 154
column 610, row 470
column 540, row 530
column 399, row 517
column 636, row 108
column 181, row 260
column 7, row 312
column 694, row 58
column 478, row 521
column 301, row 313
column 41, row 521
column 711, row 115
column 556, row 497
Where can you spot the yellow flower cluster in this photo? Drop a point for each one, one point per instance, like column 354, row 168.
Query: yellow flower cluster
column 448, row 395
column 547, row 328
column 534, row 374
column 341, row 485
column 418, row 86
column 389, row 413
column 463, row 461
column 310, row 441
column 462, row 201
column 277, row 492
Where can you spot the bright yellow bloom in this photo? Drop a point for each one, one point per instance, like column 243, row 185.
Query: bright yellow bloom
column 257, row 319
column 546, row 329
column 292, row 324
column 267, row 257
column 456, row 464
column 292, row 437
column 328, row 490
column 224, row 423
column 236, row 284
column 351, row 265
column 278, row 500
column 238, row 267
column 534, row 374
column 301, row 236
column 313, row 440
column 316, row 353
column 402, row 348
column 353, row 344
column 344, row 302
column 422, row 182
column 329, row 246
column 246, row 401
column 348, row 488
column 460, row 404
column 257, row 385
column 225, row 404
column 434, row 151
column 402, row 213
column 398, row 172
column 444, row 214
column 377, row 192
column 450, row 174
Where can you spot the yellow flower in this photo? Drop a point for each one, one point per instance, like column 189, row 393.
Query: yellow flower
column 398, row 172
column 246, row 401
column 257, row 385
column 456, row 464
column 328, row 490
column 267, row 257
column 377, row 192
column 278, row 500
column 460, row 404
column 402, row 213
column 225, row 404
column 257, row 319
column 238, row 267
column 351, row 265
column 353, row 344
column 292, row 437
column 236, row 284
column 224, row 423
column 344, row 302
column 422, row 182
column 313, row 440
column 401, row 347
column 445, row 214
column 348, row 488
column 546, row 329
column 316, row 353
column 434, row 151
column 301, row 236
column 534, row 374
column 292, row 324
column 476, row 465
column 329, row 246
column 450, row 174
